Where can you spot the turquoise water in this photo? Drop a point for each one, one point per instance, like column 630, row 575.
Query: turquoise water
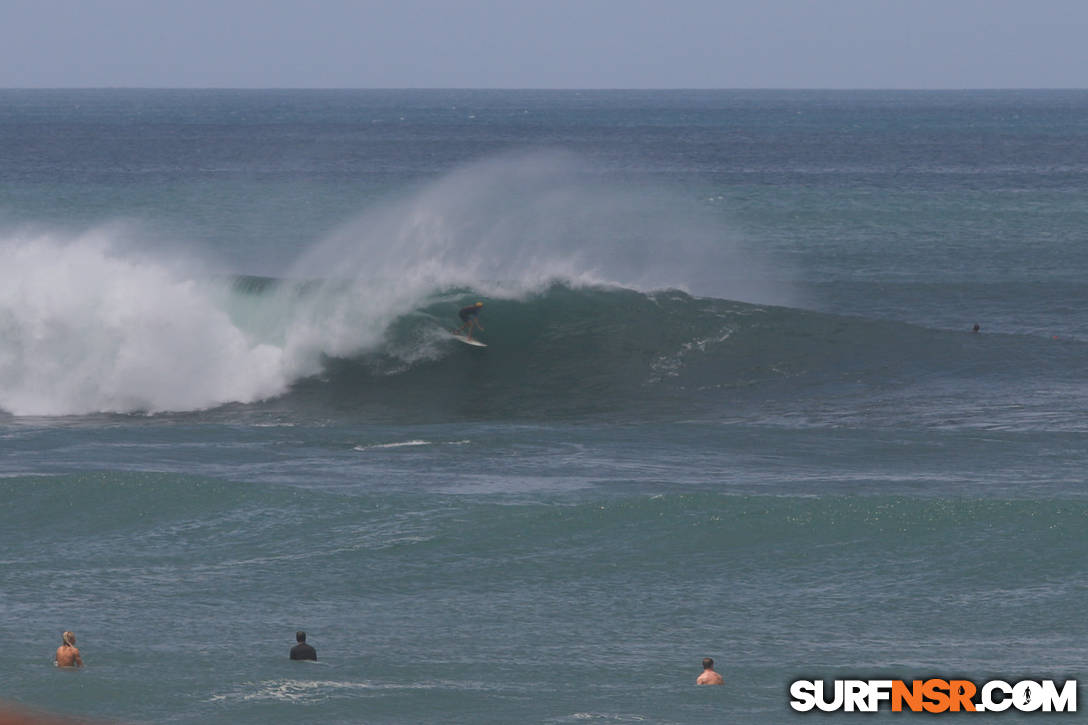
column 731, row 404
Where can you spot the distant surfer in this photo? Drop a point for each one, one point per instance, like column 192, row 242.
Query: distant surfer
column 67, row 654
column 303, row 651
column 709, row 676
column 470, row 316
column 976, row 328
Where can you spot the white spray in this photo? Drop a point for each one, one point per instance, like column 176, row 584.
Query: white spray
column 85, row 330
column 86, row 326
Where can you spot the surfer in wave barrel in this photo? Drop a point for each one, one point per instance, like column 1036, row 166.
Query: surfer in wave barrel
column 470, row 317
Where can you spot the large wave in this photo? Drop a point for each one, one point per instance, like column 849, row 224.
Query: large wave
column 84, row 330
column 599, row 300
column 89, row 325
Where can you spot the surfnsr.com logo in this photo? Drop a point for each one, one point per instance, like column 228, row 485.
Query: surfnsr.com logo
column 933, row 695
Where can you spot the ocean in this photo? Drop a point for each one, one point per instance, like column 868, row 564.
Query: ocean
column 732, row 403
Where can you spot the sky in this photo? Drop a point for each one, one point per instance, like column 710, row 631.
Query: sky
column 544, row 43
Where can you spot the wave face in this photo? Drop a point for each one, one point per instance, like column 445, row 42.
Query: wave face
column 620, row 353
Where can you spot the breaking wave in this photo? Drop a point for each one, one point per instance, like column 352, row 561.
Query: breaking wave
column 87, row 324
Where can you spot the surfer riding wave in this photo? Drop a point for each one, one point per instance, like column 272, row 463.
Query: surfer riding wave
column 470, row 318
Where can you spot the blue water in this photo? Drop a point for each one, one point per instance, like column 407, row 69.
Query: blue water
column 731, row 405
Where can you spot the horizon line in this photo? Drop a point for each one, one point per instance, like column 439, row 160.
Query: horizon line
column 905, row 89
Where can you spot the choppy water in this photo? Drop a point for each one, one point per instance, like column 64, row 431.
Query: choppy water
column 731, row 403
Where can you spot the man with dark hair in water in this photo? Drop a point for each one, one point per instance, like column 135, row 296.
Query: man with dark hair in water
column 709, row 676
column 470, row 316
column 67, row 654
column 302, row 651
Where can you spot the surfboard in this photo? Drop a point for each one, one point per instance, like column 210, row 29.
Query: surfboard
column 474, row 343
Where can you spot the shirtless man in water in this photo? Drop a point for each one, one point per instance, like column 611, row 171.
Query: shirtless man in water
column 67, row 653
column 709, row 676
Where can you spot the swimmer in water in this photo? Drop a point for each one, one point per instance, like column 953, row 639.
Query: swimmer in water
column 302, row 651
column 67, row 654
column 709, row 676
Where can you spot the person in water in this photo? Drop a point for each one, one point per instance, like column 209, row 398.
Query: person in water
column 303, row 651
column 709, row 676
column 470, row 316
column 67, row 654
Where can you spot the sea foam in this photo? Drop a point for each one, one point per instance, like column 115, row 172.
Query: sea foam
column 84, row 329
